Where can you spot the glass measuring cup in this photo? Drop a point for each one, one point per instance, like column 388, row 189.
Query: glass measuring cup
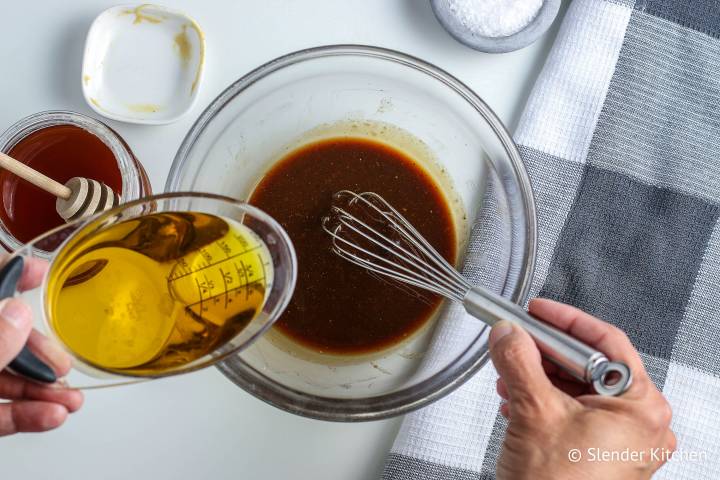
column 195, row 257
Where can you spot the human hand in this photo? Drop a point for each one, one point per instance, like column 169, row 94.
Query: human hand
column 557, row 428
column 32, row 407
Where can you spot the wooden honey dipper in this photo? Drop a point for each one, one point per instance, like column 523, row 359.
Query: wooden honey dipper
column 79, row 197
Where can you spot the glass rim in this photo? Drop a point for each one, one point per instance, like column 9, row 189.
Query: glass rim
column 431, row 389
column 246, row 208
column 129, row 171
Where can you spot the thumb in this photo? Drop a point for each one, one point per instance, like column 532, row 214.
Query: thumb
column 15, row 326
column 517, row 361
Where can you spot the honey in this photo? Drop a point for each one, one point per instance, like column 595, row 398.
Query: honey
column 60, row 152
column 149, row 295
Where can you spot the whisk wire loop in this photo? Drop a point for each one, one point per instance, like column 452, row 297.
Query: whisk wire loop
column 407, row 228
column 407, row 275
column 452, row 294
column 408, row 265
column 412, row 259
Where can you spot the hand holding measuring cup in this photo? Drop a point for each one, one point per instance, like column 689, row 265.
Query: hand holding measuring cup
column 32, row 407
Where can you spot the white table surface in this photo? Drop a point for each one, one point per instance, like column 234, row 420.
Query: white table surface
column 201, row 425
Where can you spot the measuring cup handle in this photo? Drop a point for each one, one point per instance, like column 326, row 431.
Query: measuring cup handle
column 26, row 363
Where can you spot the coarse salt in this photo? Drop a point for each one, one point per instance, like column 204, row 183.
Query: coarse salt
column 495, row 18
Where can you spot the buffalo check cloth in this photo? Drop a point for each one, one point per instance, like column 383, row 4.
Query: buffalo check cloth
column 621, row 139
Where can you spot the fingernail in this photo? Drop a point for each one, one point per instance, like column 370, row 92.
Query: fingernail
column 499, row 330
column 15, row 312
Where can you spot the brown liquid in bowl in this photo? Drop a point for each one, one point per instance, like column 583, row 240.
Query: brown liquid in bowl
column 338, row 307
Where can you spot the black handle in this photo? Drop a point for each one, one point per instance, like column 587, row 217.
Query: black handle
column 26, row 363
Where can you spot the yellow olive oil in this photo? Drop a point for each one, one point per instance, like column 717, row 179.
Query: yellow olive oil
column 154, row 293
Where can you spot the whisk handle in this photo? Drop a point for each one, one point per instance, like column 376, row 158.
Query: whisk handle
column 572, row 355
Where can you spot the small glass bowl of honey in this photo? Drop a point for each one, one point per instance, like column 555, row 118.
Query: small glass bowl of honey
column 161, row 286
column 62, row 145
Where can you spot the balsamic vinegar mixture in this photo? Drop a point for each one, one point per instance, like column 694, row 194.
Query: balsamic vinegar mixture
column 338, row 307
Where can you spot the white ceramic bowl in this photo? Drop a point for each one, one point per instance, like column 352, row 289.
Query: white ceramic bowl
column 143, row 64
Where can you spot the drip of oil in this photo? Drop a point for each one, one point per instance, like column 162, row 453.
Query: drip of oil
column 154, row 293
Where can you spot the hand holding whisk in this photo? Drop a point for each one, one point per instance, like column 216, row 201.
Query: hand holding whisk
column 369, row 232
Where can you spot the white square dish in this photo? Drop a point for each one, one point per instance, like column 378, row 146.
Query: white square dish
column 143, row 64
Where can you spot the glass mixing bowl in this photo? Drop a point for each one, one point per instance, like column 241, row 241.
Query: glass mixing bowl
column 373, row 92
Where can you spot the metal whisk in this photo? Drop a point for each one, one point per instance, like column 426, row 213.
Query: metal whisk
column 369, row 232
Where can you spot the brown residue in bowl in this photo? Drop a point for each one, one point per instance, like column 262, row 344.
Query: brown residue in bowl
column 140, row 16
column 144, row 107
column 182, row 45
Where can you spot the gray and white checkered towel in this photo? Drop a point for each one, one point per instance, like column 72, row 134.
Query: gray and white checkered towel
column 621, row 138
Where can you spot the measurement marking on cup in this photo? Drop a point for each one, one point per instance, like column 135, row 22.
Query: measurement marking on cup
column 201, row 297
column 262, row 265
column 209, row 284
column 192, row 271
column 226, row 249
column 226, row 279
column 243, row 271
column 237, row 290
